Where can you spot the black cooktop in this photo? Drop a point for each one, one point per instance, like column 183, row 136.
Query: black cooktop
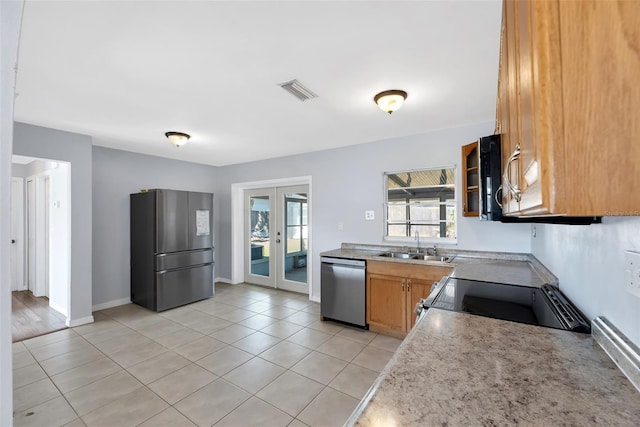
column 545, row 306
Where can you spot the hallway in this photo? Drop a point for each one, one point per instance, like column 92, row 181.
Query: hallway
column 31, row 316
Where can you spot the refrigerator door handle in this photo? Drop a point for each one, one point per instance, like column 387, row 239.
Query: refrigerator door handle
column 183, row 268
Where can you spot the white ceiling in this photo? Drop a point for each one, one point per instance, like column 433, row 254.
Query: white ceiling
column 125, row 72
column 22, row 160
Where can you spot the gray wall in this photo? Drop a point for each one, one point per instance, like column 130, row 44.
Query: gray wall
column 36, row 141
column 348, row 181
column 116, row 174
column 589, row 261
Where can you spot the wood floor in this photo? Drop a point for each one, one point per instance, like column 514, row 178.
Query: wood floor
column 32, row 316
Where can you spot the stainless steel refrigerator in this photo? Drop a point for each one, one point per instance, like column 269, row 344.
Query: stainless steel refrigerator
column 171, row 248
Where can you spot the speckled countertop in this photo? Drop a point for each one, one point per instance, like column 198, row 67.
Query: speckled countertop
column 460, row 369
column 498, row 267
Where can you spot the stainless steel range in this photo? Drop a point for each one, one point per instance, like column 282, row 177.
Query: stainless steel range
column 545, row 306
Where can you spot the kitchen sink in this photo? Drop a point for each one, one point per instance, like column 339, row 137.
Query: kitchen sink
column 413, row 255
column 440, row 258
column 402, row 255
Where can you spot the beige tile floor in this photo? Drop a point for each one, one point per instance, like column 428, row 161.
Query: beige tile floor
column 248, row 356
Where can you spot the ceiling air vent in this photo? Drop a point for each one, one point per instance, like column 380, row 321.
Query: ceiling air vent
column 297, row 89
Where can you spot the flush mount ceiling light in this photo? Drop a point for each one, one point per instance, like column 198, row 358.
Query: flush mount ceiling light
column 177, row 138
column 390, row 100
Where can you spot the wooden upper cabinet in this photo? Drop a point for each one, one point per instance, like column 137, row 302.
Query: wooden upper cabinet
column 603, row 139
column 470, row 180
column 568, row 99
column 508, row 106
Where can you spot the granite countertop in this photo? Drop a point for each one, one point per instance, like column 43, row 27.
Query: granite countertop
column 460, row 369
column 512, row 272
column 498, row 267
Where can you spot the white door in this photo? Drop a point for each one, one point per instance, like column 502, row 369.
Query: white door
column 17, row 234
column 277, row 239
column 259, row 238
column 47, row 205
column 31, row 235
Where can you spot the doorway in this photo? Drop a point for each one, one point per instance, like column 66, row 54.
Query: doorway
column 277, row 237
column 40, row 265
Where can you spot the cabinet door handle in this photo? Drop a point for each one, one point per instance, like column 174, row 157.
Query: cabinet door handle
column 402, row 285
column 408, row 285
column 511, row 188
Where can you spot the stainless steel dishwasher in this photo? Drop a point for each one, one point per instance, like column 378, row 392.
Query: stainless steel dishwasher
column 343, row 290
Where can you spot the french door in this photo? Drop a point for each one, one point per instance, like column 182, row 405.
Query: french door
column 277, row 237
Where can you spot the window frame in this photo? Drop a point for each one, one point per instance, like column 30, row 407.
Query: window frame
column 425, row 239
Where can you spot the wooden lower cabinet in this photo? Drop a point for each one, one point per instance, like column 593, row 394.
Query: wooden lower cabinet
column 386, row 302
column 416, row 289
column 393, row 290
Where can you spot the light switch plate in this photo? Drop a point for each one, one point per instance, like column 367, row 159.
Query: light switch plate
column 369, row 215
column 632, row 272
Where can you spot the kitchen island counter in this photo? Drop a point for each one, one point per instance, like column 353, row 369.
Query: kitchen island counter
column 460, row 369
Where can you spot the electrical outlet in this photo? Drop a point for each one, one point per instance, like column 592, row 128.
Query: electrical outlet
column 369, row 215
column 632, row 272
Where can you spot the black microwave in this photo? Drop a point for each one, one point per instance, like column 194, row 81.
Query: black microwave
column 490, row 172
column 490, row 186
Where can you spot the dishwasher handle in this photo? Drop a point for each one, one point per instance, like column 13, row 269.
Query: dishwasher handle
column 344, row 262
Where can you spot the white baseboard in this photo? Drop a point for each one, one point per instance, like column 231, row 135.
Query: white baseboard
column 78, row 322
column 229, row 281
column 624, row 353
column 110, row 304
column 58, row 308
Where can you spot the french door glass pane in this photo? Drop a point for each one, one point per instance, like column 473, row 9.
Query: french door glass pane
column 293, row 213
column 259, row 235
column 295, row 267
column 293, row 239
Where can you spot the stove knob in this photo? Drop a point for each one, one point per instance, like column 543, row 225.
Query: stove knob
column 419, row 307
column 434, row 286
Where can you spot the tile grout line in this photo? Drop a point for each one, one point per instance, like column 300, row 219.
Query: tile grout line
column 54, row 384
column 308, row 310
column 217, row 377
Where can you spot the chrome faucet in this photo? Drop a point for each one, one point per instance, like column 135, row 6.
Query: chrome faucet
column 418, row 244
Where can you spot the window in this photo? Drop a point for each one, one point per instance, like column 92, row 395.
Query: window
column 422, row 201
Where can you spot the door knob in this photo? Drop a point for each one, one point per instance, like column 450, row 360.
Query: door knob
column 277, row 240
column 13, row 241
